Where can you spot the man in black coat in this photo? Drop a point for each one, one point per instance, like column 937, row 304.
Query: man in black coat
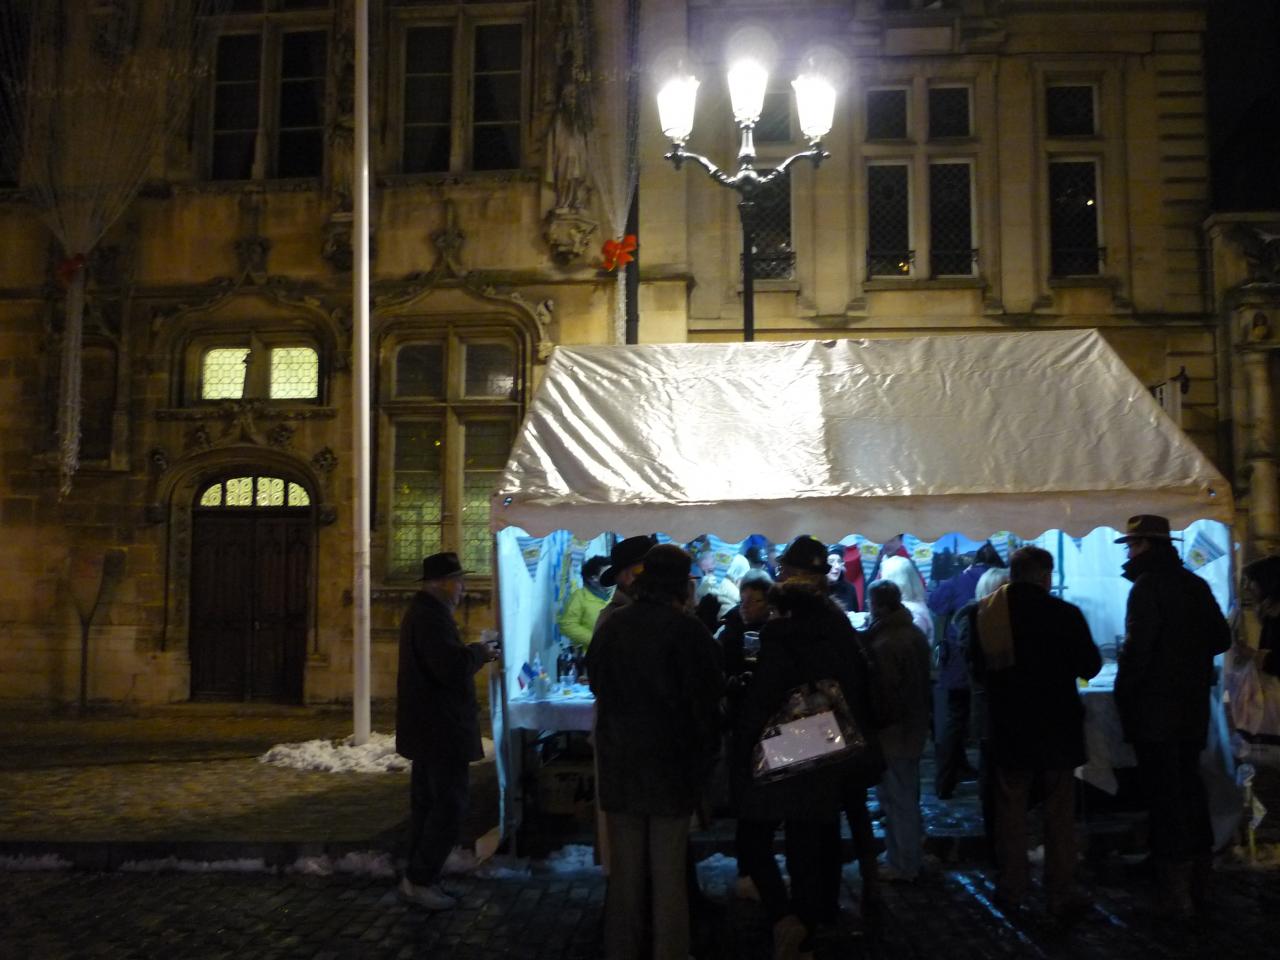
column 1029, row 647
column 1173, row 630
column 437, row 724
column 656, row 675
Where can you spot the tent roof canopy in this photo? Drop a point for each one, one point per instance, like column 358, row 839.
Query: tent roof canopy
column 931, row 435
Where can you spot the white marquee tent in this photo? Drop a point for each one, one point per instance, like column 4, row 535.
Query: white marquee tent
column 1023, row 432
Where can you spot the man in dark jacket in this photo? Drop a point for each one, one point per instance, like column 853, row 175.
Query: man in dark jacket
column 1173, row 630
column 1028, row 651
column 437, row 724
column 656, row 675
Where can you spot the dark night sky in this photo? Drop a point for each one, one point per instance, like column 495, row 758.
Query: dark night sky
column 1243, row 67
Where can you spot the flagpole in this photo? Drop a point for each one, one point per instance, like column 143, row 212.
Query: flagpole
column 360, row 365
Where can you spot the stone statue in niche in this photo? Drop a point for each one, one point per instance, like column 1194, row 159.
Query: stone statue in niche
column 568, row 226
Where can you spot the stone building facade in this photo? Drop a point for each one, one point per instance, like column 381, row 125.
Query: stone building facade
column 995, row 165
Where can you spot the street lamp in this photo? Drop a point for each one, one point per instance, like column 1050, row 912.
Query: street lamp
column 748, row 80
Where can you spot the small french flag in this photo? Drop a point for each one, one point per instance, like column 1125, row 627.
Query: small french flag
column 526, row 676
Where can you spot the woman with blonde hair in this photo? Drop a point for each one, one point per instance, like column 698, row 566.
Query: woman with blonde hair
column 903, row 573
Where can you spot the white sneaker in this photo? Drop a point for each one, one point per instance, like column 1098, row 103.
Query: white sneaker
column 429, row 898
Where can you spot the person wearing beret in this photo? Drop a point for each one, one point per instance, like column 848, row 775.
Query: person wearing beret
column 437, row 725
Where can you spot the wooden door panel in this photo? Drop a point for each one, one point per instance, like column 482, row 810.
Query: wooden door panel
column 221, row 607
column 250, row 606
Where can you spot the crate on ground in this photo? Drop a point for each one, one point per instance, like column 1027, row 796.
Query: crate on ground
column 567, row 786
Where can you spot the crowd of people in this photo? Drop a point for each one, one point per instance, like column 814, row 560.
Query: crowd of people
column 688, row 665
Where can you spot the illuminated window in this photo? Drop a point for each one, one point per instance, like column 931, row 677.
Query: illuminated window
column 453, row 402
column 276, row 372
column 251, row 492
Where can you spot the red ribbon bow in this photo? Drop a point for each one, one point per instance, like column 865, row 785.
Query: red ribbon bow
column 617, row 253
column 68, row 268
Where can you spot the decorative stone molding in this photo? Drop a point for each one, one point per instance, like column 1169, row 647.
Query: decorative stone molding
column 448, row 241
column 568, row 232
column 1260, row 247
column 252, row 253
column 281, row 435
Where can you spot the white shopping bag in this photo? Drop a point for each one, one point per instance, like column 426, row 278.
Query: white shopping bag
column 801, row 740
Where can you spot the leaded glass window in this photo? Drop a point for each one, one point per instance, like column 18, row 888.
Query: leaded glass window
column 300, row 150
column 253, row 492
column 498, row 82
column 452, row 400
column 951, row 250
column 295, row 373
column 1070, row 111
column 948, row 112
column 428, row 98
column 269, row 94
column 490, row 370
column 223, row 373
column 889, row 250
column 1073, row 218
column 487, row 444
column 775, row 258
column 417, row 498
column 887, row 114
column 420, row 370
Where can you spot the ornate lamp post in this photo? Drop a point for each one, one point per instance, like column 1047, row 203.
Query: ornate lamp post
column 748, row 80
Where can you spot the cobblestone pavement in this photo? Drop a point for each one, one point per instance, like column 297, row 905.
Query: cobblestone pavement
column 123, row 916
column 184, row 782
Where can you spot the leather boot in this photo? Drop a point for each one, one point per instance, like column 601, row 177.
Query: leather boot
column 1173, row 888
column 1202, row 884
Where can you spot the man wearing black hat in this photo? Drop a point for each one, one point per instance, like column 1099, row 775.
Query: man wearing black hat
column 626, row 560
column 437, row 724
column 656, row 675
column 1173, row 630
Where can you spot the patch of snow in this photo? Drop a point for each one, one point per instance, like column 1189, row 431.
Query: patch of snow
column 378, row 755
column 571, row 858
column 364, row 864
column 173, row 864
column 340, row 756
column 504, row 868
column 48, row 861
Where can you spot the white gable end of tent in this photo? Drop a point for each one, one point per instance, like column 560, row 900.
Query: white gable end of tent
column 972, row 433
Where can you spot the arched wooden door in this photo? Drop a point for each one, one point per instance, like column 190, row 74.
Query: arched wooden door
column 250, row 590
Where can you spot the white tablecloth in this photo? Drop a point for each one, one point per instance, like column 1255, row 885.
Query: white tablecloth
column 1103, row 737
column 568, row 710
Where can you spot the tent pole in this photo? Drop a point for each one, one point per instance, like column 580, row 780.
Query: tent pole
column 360, row 407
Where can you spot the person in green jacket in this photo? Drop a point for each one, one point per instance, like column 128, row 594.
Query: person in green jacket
column 578, row 619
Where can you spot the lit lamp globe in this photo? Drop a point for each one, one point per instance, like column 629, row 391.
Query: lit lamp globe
column 677, row 100
column 748, row 81
column 815, row 105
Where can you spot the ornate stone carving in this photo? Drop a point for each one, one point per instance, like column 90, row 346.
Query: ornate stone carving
column 448, row 241
column 336, row 248
column 567, row 232
column 281, row 435
column 199, row 438
column 325, row 461
column 158, row 459
column 251, row 252
column 540, row 313
column 1261, row 251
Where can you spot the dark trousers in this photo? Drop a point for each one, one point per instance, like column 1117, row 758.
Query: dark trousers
column 437, row 802
column 1012, row 793
column 951, row 736
column 813, row 861
column 647, row 884
column 1177, row 802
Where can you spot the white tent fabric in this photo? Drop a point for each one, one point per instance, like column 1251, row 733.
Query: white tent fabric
column 969, row 433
